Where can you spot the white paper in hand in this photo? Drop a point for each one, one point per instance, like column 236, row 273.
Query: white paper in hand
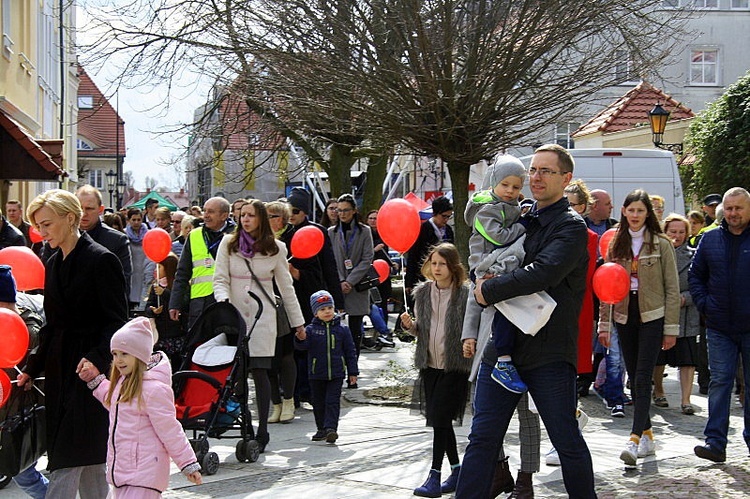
column 529, row 313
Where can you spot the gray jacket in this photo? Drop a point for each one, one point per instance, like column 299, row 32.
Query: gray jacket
column 689, row 315
column 493, row 229
column 358, row 249
column 454, row 359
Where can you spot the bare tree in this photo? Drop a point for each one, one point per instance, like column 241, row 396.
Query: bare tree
column 458, row 80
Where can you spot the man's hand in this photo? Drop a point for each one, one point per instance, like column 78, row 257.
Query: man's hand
column 478, row 292
column 345, row 287
column 174, row 314
column 469, row 347
column 25, row 381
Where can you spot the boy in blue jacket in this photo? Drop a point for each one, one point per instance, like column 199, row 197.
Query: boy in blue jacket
column 331, row 354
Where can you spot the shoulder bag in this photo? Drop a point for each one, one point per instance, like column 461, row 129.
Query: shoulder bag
column 282, row 320
column 23, row 435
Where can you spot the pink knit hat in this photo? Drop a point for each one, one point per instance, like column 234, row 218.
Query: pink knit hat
column 135, row 338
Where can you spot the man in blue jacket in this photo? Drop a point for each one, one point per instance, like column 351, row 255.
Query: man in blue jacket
column 718, row 281
column 556, row 262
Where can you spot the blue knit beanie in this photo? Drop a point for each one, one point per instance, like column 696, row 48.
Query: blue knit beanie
column 7, row 285
column 320, row 299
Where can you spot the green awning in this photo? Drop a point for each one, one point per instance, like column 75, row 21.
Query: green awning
column 154, row 195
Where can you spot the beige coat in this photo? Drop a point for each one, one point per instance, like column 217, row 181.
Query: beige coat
column 232, row 281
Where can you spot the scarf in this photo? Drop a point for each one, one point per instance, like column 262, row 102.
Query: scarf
column 246, row 244
column 136, row 238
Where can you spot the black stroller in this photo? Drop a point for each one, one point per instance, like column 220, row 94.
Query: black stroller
column 212, row 400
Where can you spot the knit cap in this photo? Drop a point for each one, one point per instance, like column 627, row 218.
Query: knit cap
column 135, row 338
column 7, row 285
column 299, row 198
column 505, row 165
column 320, row 299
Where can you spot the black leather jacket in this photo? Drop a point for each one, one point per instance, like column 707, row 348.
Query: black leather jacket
column 556, row 261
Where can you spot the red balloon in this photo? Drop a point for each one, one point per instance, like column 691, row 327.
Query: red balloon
column 611, row 283
column 34, row 235
column 307, row 242
column 157, row 244
column 28, row 269
column 15, row 338
column 398, row 224
column 4, row 388
column 383, row 270
column 604, row 242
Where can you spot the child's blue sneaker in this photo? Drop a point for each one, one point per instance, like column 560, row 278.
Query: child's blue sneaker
column 506, row 375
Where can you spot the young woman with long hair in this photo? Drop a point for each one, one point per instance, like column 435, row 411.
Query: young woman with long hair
column 251, row 259
column 647, row 319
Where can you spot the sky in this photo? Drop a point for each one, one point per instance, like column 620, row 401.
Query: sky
column 148, row 151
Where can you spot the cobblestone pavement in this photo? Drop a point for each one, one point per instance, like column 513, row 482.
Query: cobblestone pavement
column 384, row 452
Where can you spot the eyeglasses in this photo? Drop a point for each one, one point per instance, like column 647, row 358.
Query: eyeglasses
column 296, row 211
column 447, row 217
column 331, row 208
column 274, row 216
column 544, row 172
column 176, row 221
column 343, row 210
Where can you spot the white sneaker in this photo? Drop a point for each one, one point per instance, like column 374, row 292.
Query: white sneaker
column 582, row 418
column 629, row 455
column 647, row 447
column 552, row 458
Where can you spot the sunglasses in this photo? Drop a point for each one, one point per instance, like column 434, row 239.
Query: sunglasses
column 274, row 216
column 296, row 211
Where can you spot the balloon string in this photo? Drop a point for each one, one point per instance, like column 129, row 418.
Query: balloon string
column 158, row 296
column 611, row 325
column 403, row 282
column 34, row 386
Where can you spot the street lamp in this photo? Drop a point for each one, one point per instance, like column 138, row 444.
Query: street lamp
column 121, row 185
column 657, row 118
column 111, row 181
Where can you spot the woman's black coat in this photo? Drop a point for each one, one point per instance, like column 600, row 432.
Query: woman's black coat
column 84, row 303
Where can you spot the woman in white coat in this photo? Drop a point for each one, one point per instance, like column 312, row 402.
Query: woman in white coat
column 248, row 259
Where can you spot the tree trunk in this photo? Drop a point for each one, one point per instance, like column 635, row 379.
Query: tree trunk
column 377, row 166
column 459, row 173
column 339, row 169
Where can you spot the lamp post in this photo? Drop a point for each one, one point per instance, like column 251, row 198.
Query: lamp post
column 121, row 185
column 111, row 181
column 657, row 118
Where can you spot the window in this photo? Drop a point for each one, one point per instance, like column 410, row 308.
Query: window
column 704, row 67
column 82, row 145
column 85, row 102
column 562, row 134
column 740, row 4
column 624, row 67
column 96, row 178
column 670, row 4
column 706, row 4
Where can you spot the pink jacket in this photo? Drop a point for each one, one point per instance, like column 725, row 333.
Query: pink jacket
column 141, row 440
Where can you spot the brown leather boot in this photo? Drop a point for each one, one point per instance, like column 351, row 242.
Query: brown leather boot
column 502, row 481
column 524, row 488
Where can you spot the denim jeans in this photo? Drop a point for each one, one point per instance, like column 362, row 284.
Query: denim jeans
column 326, row 401
column 613, row 387
column 32, row 482
column 723, row 351
column 553, row 388
column 378, row 322
column 640, row 343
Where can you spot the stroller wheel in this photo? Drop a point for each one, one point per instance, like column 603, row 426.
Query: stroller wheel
column 200, row 447
column 210, row 463
column 247, row 451
column 4, row 480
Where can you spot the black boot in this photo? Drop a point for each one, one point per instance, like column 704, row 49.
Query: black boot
column 502, row 481
column 524, row 488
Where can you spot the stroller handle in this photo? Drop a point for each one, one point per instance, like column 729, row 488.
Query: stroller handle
column 259, row 302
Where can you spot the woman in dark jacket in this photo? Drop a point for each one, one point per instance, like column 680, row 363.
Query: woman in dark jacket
column 440, row 305
column 85, row 303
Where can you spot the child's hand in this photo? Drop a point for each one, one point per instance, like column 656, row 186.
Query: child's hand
column 159, row 291
column 157, row 310
column 407, row 321
column 352, row 380
column 195, row 477
column 300, row 333
column 469, row 347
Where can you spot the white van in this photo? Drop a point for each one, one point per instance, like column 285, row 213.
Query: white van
column 620, row 171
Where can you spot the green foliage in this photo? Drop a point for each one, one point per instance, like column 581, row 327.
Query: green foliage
column 396, row 374
column 720, row 139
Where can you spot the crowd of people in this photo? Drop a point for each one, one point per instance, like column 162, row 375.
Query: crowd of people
column 683, row 308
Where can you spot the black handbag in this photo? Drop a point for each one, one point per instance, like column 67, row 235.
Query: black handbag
column 369, row 281
column 282, row 320
column 23, row 435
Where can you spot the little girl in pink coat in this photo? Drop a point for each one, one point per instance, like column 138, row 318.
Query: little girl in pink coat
column 143, row 429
